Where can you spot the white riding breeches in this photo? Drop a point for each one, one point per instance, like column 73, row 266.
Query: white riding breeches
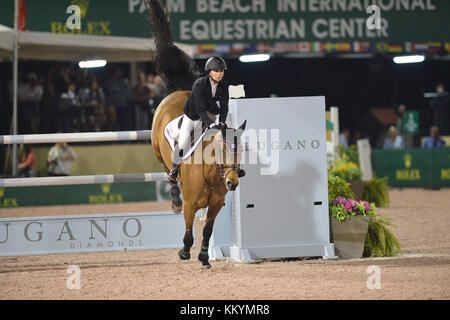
column 184, row 137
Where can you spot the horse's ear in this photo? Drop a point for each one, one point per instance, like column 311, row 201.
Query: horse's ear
column 242, row 127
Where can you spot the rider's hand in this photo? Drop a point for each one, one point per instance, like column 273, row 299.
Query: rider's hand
column 218, row 126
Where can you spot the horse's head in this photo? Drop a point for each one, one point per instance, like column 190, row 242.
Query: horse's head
column 229, row 154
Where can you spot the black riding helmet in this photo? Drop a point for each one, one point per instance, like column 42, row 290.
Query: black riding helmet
column 214, row 63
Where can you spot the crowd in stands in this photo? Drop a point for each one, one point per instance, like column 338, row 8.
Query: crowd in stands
column 73, row 100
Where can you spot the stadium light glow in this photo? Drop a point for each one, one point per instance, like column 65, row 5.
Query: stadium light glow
column 254, row 57
column 92, row 64
column 409, row 59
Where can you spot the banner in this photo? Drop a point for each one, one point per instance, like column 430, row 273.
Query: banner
column 413, row 167
column 400, row 25
column 84, row 194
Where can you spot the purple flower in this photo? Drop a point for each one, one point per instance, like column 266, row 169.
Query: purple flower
column 339, row 200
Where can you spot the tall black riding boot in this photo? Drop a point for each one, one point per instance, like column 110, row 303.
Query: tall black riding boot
column 177, row 155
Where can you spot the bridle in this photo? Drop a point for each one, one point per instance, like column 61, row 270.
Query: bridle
column 220, row 168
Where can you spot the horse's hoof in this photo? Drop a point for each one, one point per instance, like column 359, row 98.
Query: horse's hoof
column 206, row 266
column 203, row 257
column 184, row 255
column 176, row 209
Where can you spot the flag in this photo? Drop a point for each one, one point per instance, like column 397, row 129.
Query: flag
column 237, row 48
column 408, row 47
column 317, row 47
column 21, row 18
column 263, row 47
column 206, row 49
column 344, row 46
column 447, row 46
column 357, row 46
column 420, row 47
column 382, row 47
column 395, row 47
column 330, row 46
column 434, row 47
column 304, row 47
column 222, row 48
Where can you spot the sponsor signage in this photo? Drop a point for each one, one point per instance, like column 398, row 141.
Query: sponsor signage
column 413, row 167
column 105, row 193
column 90, row 233
column 337, row 24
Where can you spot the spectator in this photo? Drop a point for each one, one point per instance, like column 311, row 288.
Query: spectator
column 141, row 95
column 59, row 160
column 439, row 107
column 434, row 141
column 393, row 140
column 151, row 82
column 344, row 137
column 31, row 94
column 69, row 101
column 400, row 125
column 118, row 93
column 25, row 169
column 49, row 109
column 93, row 100
column 160, row 87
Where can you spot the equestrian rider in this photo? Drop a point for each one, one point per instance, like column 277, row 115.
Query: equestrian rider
column 208, row 100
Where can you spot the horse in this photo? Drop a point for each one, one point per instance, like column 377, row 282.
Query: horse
column 206, row 183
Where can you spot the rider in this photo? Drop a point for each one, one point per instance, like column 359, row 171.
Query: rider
column 202, row 108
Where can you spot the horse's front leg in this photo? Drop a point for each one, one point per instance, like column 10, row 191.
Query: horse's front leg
column 213, row 210
column 188, row 240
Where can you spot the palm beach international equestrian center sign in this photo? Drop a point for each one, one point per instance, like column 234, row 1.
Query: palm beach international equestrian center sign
column 252, row 21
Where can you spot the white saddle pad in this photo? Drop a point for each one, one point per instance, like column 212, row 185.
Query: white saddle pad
column 171, row 132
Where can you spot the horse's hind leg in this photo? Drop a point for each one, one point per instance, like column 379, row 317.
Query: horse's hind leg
column 207, row 231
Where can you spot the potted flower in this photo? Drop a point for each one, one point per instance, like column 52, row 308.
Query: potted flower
column 349, row 225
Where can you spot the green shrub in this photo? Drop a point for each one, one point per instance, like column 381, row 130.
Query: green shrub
column 380, row 241
column 338, row 187
column 346, row 170
column 376, row 190
column 348, row 154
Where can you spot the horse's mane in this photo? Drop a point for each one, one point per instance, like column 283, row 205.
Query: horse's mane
column 178, row 70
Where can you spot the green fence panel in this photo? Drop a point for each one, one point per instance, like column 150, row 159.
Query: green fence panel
column 83, row 194
column 441, row 166
column 404, row 168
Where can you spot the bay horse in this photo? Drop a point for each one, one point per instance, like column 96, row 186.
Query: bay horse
column 206, row 183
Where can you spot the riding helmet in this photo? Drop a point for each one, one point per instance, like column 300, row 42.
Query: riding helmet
column 215, row 63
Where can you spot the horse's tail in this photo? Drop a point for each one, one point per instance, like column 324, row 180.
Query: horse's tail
column 178, row 70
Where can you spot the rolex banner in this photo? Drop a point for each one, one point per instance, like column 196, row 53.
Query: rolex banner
column 84, row 194
column 413, row 167
column 308, row 25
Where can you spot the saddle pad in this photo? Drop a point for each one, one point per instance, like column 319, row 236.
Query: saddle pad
column 171, row 132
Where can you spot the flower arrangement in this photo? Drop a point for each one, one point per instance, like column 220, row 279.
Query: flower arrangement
column 338, row 187
column 346, row 170
column 343, row 208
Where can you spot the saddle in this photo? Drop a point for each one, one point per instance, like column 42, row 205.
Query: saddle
column 172, row 132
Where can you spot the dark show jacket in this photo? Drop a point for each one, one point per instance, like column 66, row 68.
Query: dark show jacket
column 201, row 101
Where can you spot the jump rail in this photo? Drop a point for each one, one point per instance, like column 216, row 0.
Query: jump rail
column 77, row 137
column 92, row 179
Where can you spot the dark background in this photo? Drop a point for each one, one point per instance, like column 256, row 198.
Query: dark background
column 353, row 85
